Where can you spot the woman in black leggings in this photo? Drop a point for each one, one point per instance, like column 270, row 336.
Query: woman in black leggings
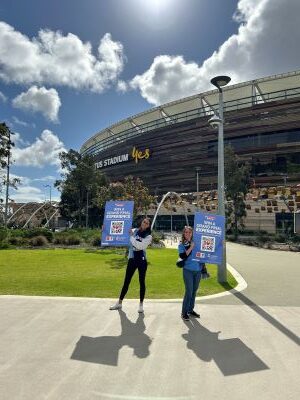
column 140, row 239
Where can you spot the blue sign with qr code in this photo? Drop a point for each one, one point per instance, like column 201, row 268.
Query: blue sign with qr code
column 117, row 223
column 209, row 234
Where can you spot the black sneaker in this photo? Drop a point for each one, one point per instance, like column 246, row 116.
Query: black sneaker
column 194, row 314
column 185, row 317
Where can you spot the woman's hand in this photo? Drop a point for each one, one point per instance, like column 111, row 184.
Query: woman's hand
column 190, row 249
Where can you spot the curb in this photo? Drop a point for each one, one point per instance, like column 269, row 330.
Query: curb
column 242, row 284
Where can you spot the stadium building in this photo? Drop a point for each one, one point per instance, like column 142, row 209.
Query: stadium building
column 166, row 145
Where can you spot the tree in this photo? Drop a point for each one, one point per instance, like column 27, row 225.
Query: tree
column 79, row 188
column 130, row 189
column 237, row 181
column 6, row 145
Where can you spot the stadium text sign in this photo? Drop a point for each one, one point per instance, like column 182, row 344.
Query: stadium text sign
column 208, row 238
column 117, row 223
column 135, row 155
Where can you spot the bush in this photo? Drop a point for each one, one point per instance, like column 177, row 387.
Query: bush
column 263, row 239
column 18, row 241
column 73, row 240
column 156, row 237
column 295, row 238
column 39, row 241
column 3, row 234
column 96, row 241
column 67, row 239
column 31, row 233
column 280, row 238
column 4, row 245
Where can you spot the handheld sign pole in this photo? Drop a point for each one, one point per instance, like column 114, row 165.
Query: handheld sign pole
column 209, row 234
column 117, row 223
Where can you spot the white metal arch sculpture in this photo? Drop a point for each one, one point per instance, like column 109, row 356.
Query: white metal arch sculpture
column 161, row 203
column 47, row 223
column 33, row 214
column 20, row 208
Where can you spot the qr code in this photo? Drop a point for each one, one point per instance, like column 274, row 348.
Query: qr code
column 116, row 227
column 208, row 243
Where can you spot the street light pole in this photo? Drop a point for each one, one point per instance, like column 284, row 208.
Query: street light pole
column 87, row 210
column 49, row 186
column 7, row 178
column 197, row 172
column 219, row 82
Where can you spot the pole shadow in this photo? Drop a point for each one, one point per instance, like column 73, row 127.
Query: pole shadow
column 105, row 349
column 232, row 356
column 261, row 312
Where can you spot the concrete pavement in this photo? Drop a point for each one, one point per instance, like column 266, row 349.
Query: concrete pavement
column 242, row 347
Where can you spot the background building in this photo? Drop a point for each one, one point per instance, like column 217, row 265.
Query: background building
column 166, row 144
column 169, row 145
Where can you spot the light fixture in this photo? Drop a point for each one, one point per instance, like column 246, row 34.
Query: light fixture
column 220, row 81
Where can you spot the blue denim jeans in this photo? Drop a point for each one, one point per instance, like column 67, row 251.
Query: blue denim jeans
column 191, row 282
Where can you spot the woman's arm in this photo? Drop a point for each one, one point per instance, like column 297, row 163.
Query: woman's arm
column 183, row 254
column 143, row 244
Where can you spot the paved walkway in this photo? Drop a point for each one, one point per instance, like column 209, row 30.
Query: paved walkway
column 244, row 346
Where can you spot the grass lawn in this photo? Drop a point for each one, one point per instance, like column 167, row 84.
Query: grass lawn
column 94, row 273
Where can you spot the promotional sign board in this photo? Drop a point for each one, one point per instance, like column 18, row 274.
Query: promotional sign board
column 209, row 233
column 117, row 223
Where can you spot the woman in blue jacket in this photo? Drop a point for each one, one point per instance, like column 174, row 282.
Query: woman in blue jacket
column 140, row 239
column 191, row 274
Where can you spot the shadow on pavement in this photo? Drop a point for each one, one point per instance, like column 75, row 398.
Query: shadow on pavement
column 232, row 356
column 291, row 335
column 105, row 349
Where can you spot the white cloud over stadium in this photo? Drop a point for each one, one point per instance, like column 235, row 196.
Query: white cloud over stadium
column 261, row 47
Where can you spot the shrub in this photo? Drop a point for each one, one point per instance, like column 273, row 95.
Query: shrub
column 18, row 241
column 3, row 234
column 30, row 233
column 4, row 246
column 39, row 241
column 67, row 238
column 295, row 239
column 263, row 239
column 17, row 233
column 156, row 237
column 280, row 238
column 96, row 241
column 73, row 240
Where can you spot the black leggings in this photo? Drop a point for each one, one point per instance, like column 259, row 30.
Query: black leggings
column 132, row 265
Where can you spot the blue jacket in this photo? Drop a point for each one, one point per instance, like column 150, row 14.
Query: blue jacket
column 188, row 262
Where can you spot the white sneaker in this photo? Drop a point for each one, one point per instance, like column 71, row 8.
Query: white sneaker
column 117, row 306
column 141, row 309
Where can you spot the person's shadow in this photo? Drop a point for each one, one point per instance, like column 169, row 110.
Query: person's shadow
column 105, row 349
column 232, row 356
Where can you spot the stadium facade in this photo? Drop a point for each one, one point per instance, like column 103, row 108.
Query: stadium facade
column 165, row 145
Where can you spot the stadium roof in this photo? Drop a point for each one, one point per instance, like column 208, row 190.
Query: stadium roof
column 236, row 96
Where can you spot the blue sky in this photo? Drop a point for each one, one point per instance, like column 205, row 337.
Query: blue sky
column 70, row 68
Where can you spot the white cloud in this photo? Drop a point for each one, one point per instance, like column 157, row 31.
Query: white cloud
column 3, row 97
column 18, row 140
column 39, row 100
column 267, row 43
column 45, row 178
column 19, row 122
column 26, row 194
column 23, row 180
column 44, row 151
column 55, row 59
column 122, row 86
